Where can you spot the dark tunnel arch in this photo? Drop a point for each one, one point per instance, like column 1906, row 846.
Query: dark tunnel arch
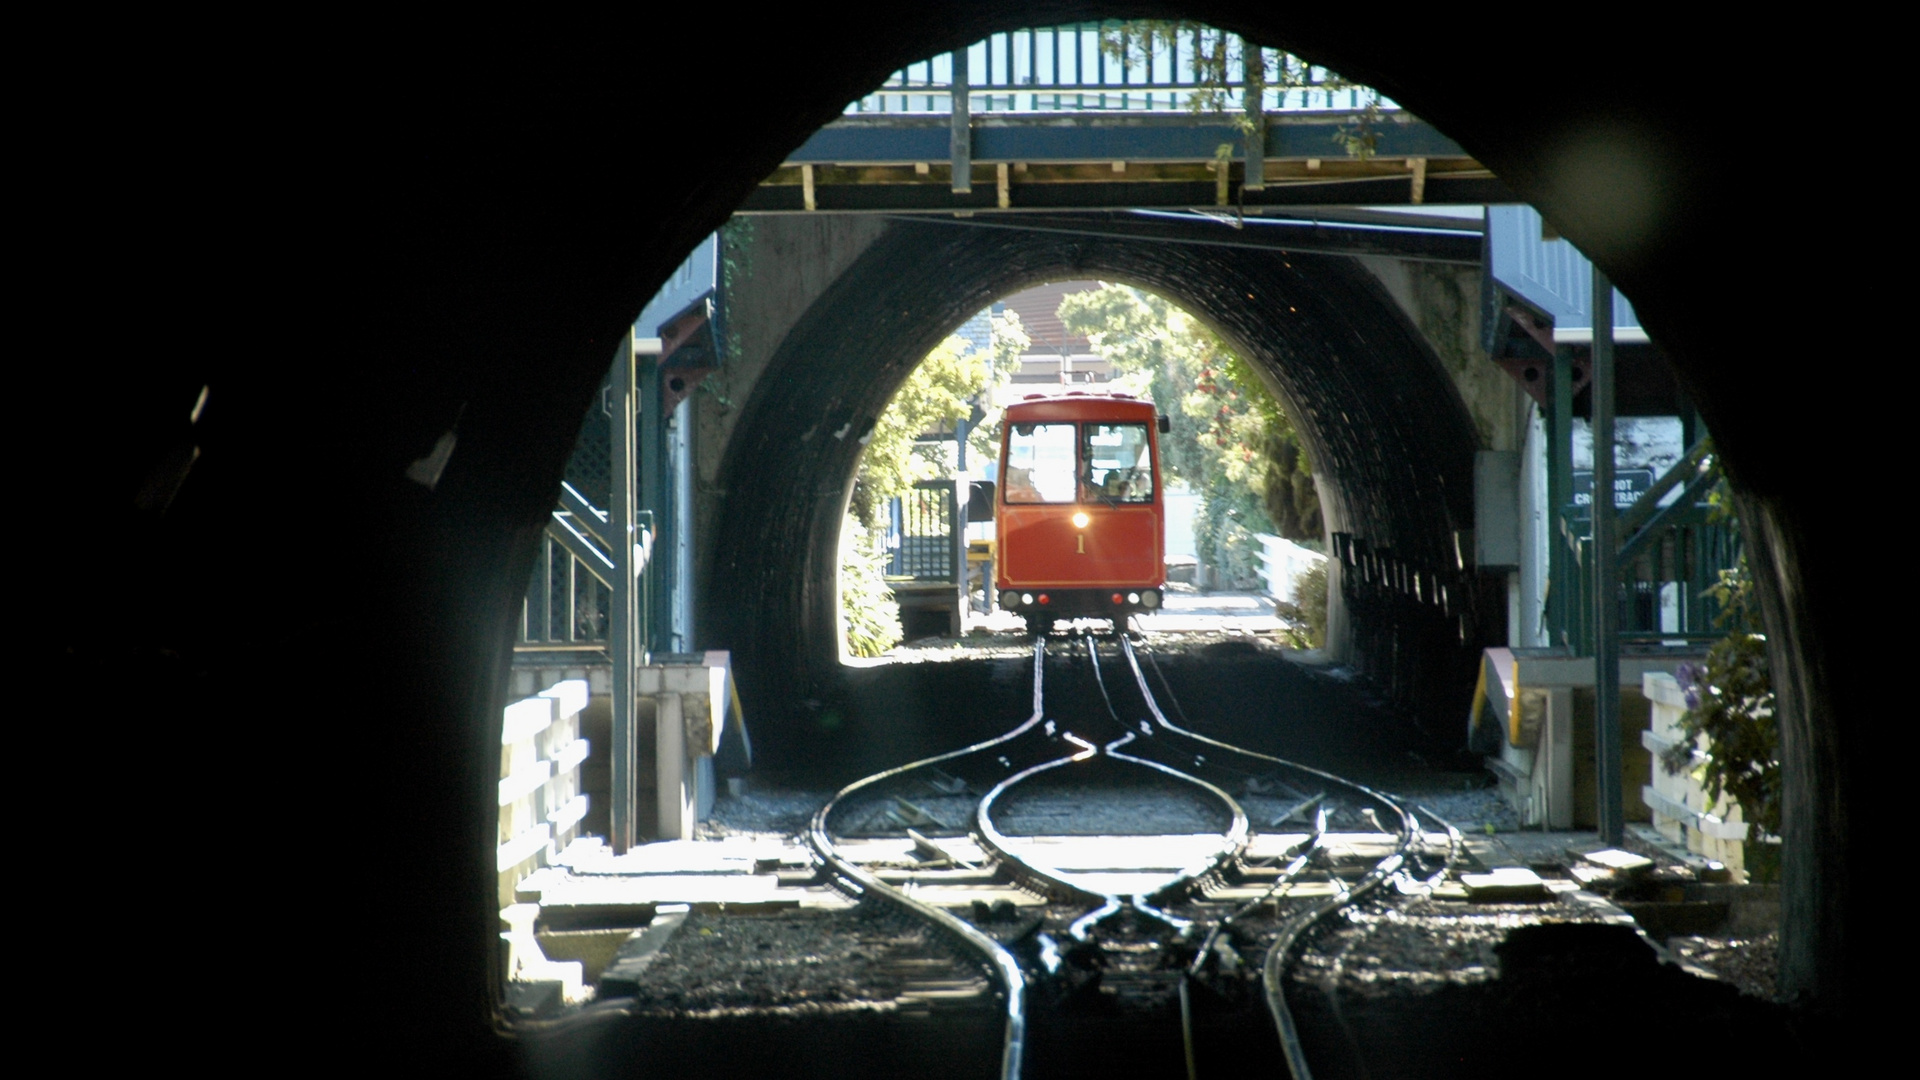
column 1384, row 424
column 502, row 213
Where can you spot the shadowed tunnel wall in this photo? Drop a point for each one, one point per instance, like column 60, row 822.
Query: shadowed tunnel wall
column 1391, row 442
column 479, row 210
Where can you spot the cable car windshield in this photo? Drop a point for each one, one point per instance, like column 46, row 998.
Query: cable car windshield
column 1040, row 463
column 1119, row 463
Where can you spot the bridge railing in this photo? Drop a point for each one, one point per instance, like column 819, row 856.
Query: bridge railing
column 1115, row 66
column 921, row 532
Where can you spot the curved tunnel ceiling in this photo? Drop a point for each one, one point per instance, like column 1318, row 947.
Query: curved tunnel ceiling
column 1385, row 426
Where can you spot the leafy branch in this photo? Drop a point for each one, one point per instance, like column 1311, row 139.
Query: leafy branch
column 1216, row 55
column 1730, row 707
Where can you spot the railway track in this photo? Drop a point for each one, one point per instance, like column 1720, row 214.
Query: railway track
column 1232, row 855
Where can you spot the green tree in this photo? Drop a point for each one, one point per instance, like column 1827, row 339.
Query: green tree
column 1230, row 441
column 867, row 607
column 1307, row 616
column 943, row 390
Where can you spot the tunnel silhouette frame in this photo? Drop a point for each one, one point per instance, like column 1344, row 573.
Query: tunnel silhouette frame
column 481, row 224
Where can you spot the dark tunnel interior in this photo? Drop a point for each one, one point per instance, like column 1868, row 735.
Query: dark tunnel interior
column 363, row 242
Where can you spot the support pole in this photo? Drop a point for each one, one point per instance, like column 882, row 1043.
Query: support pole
column 623, row 632
column 1606, row 574
column 652, row 487
column 1560, row 574
column 1254, row 78
column 962, row 143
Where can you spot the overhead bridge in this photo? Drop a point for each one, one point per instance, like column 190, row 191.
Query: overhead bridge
column 1090, row 117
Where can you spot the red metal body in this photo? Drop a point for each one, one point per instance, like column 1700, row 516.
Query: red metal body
column 1083, row 549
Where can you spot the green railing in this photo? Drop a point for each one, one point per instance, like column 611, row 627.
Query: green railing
column 1116, row 66
column 1670, row 557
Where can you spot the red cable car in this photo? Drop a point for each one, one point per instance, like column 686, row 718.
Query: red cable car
column 1079, row 520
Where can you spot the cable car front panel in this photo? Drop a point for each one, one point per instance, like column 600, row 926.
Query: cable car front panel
column 1080, row 517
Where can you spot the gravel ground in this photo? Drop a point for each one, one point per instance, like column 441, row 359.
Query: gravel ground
column 782, row 811
column 1148, row 804
column 1468, row 811
column 787, row 811
column 869, row 953
column 1417, row 945
column 1748, row 963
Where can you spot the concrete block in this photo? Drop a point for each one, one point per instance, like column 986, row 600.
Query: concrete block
column 536, row 1000
column 702, row 730
column 1662, row 688
column 574, row 809
column 1505, row 885
column 570, row 756
column 519, row 918
column 570, row 694
column 593, row 949
column 647, row 680
column 530, row 890
column 525, row 780
column 622, row 976
column 527, row 964
column 526, row 718
column 1593, row 877
column 1623, row 863
column 520, row 847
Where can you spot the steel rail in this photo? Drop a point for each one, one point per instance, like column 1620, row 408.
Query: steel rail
column 1298, row 923
column 1234, row 840
column 1036, row 878
column 999, row 959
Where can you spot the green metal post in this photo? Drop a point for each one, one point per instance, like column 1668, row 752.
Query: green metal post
column 1606, row 575
column 655, row 496
column 961, row 141
column 623, row 634
column 1560, row 576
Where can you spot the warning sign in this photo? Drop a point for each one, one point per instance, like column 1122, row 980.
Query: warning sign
column 1628, row 486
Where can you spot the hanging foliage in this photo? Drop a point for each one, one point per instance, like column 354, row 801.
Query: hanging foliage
column 1231, row 442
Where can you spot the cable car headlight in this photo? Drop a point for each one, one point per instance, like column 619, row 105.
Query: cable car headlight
column 1150, row 599
column 1080, row 520
column 1009, row 599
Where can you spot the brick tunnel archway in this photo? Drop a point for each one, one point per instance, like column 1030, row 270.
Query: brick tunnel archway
column 1390, row 438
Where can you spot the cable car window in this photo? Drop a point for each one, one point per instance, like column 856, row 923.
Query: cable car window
column 1119, row 463
column 1040, row 463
